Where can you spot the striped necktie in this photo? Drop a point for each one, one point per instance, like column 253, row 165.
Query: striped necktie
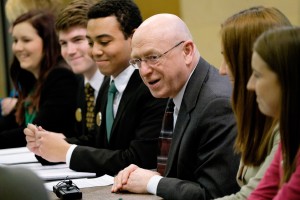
column 90, row 104
column 165, row 137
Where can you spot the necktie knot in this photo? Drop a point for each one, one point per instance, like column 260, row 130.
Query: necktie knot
column 112, row 88
column 88, row 89
column 170, row 106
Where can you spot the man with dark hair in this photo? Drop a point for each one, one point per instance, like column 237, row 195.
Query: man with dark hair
column 71, row 25
column 130, row 124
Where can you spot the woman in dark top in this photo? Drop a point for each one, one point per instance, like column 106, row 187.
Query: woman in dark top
column 46, row 87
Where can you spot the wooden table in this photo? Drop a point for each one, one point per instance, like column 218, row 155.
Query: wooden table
column 103, row 192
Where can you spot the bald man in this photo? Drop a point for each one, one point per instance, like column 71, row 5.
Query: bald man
column 201, row 163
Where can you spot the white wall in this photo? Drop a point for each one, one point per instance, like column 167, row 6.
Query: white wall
column 204, row 17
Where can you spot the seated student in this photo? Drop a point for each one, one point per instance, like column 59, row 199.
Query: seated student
column 45, row 85
column 200, row 163
column 275, row 80
column 13, row 9
column 131, row 134
column 21, row 183
column 70, row 26
column 71, row 29
column 258, row 136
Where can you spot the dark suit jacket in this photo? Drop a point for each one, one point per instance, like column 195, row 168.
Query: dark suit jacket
column 81, row 132
column 134, row 132
column 81, row 103
column 20, row 183
column 201, row 163
column 56, row 109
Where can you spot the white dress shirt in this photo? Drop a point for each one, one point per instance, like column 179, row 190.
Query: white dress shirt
column 153, row 182
column 95, row 82
column 121, row 82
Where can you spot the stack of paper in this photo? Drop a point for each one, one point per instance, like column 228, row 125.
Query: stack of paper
column 14, row 156
column 22, row 157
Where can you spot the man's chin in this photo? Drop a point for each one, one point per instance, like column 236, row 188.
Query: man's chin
column 158, row 94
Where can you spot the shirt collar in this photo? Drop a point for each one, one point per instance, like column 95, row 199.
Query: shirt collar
column 122, row 79
column 95, row 81
column 178, row 98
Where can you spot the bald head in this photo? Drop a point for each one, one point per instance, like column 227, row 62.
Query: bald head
column 164, row 27
column 166, row 54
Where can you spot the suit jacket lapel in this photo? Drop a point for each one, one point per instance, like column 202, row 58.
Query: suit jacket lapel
column 81, row 102
column 101, row 107
column 188, row 103
column 102, row 91
column 130, row 89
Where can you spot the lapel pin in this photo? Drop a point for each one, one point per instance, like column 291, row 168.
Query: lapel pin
column 98, row 118
column 78, row 115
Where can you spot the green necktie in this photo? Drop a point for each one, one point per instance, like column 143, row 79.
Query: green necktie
column 109, row 108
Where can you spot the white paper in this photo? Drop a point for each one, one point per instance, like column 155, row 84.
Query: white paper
column 86, row 182
column 38, row 166
column 22, row 157
column 17, row 158
column 14, row 150
column 55, row 172
column 61, row 173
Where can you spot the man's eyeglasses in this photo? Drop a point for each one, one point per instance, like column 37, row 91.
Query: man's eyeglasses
column 152, row 59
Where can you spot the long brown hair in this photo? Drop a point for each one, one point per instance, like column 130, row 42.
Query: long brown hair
column 280, row 49
column 23, row 80
column 238, row 34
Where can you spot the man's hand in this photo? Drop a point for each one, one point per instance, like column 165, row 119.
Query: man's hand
column 49, row 145
column 52, row 146
column 122, row 178
column 133, row 179
column 31, row 138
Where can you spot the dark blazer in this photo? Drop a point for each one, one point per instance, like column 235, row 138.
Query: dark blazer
column 20, row 183
column 81, row 104
column 201, row 163
column 134, row 133
column 81, row 133
column 56, row 109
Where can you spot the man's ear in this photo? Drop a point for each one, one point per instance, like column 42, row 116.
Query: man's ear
column 188, row 50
